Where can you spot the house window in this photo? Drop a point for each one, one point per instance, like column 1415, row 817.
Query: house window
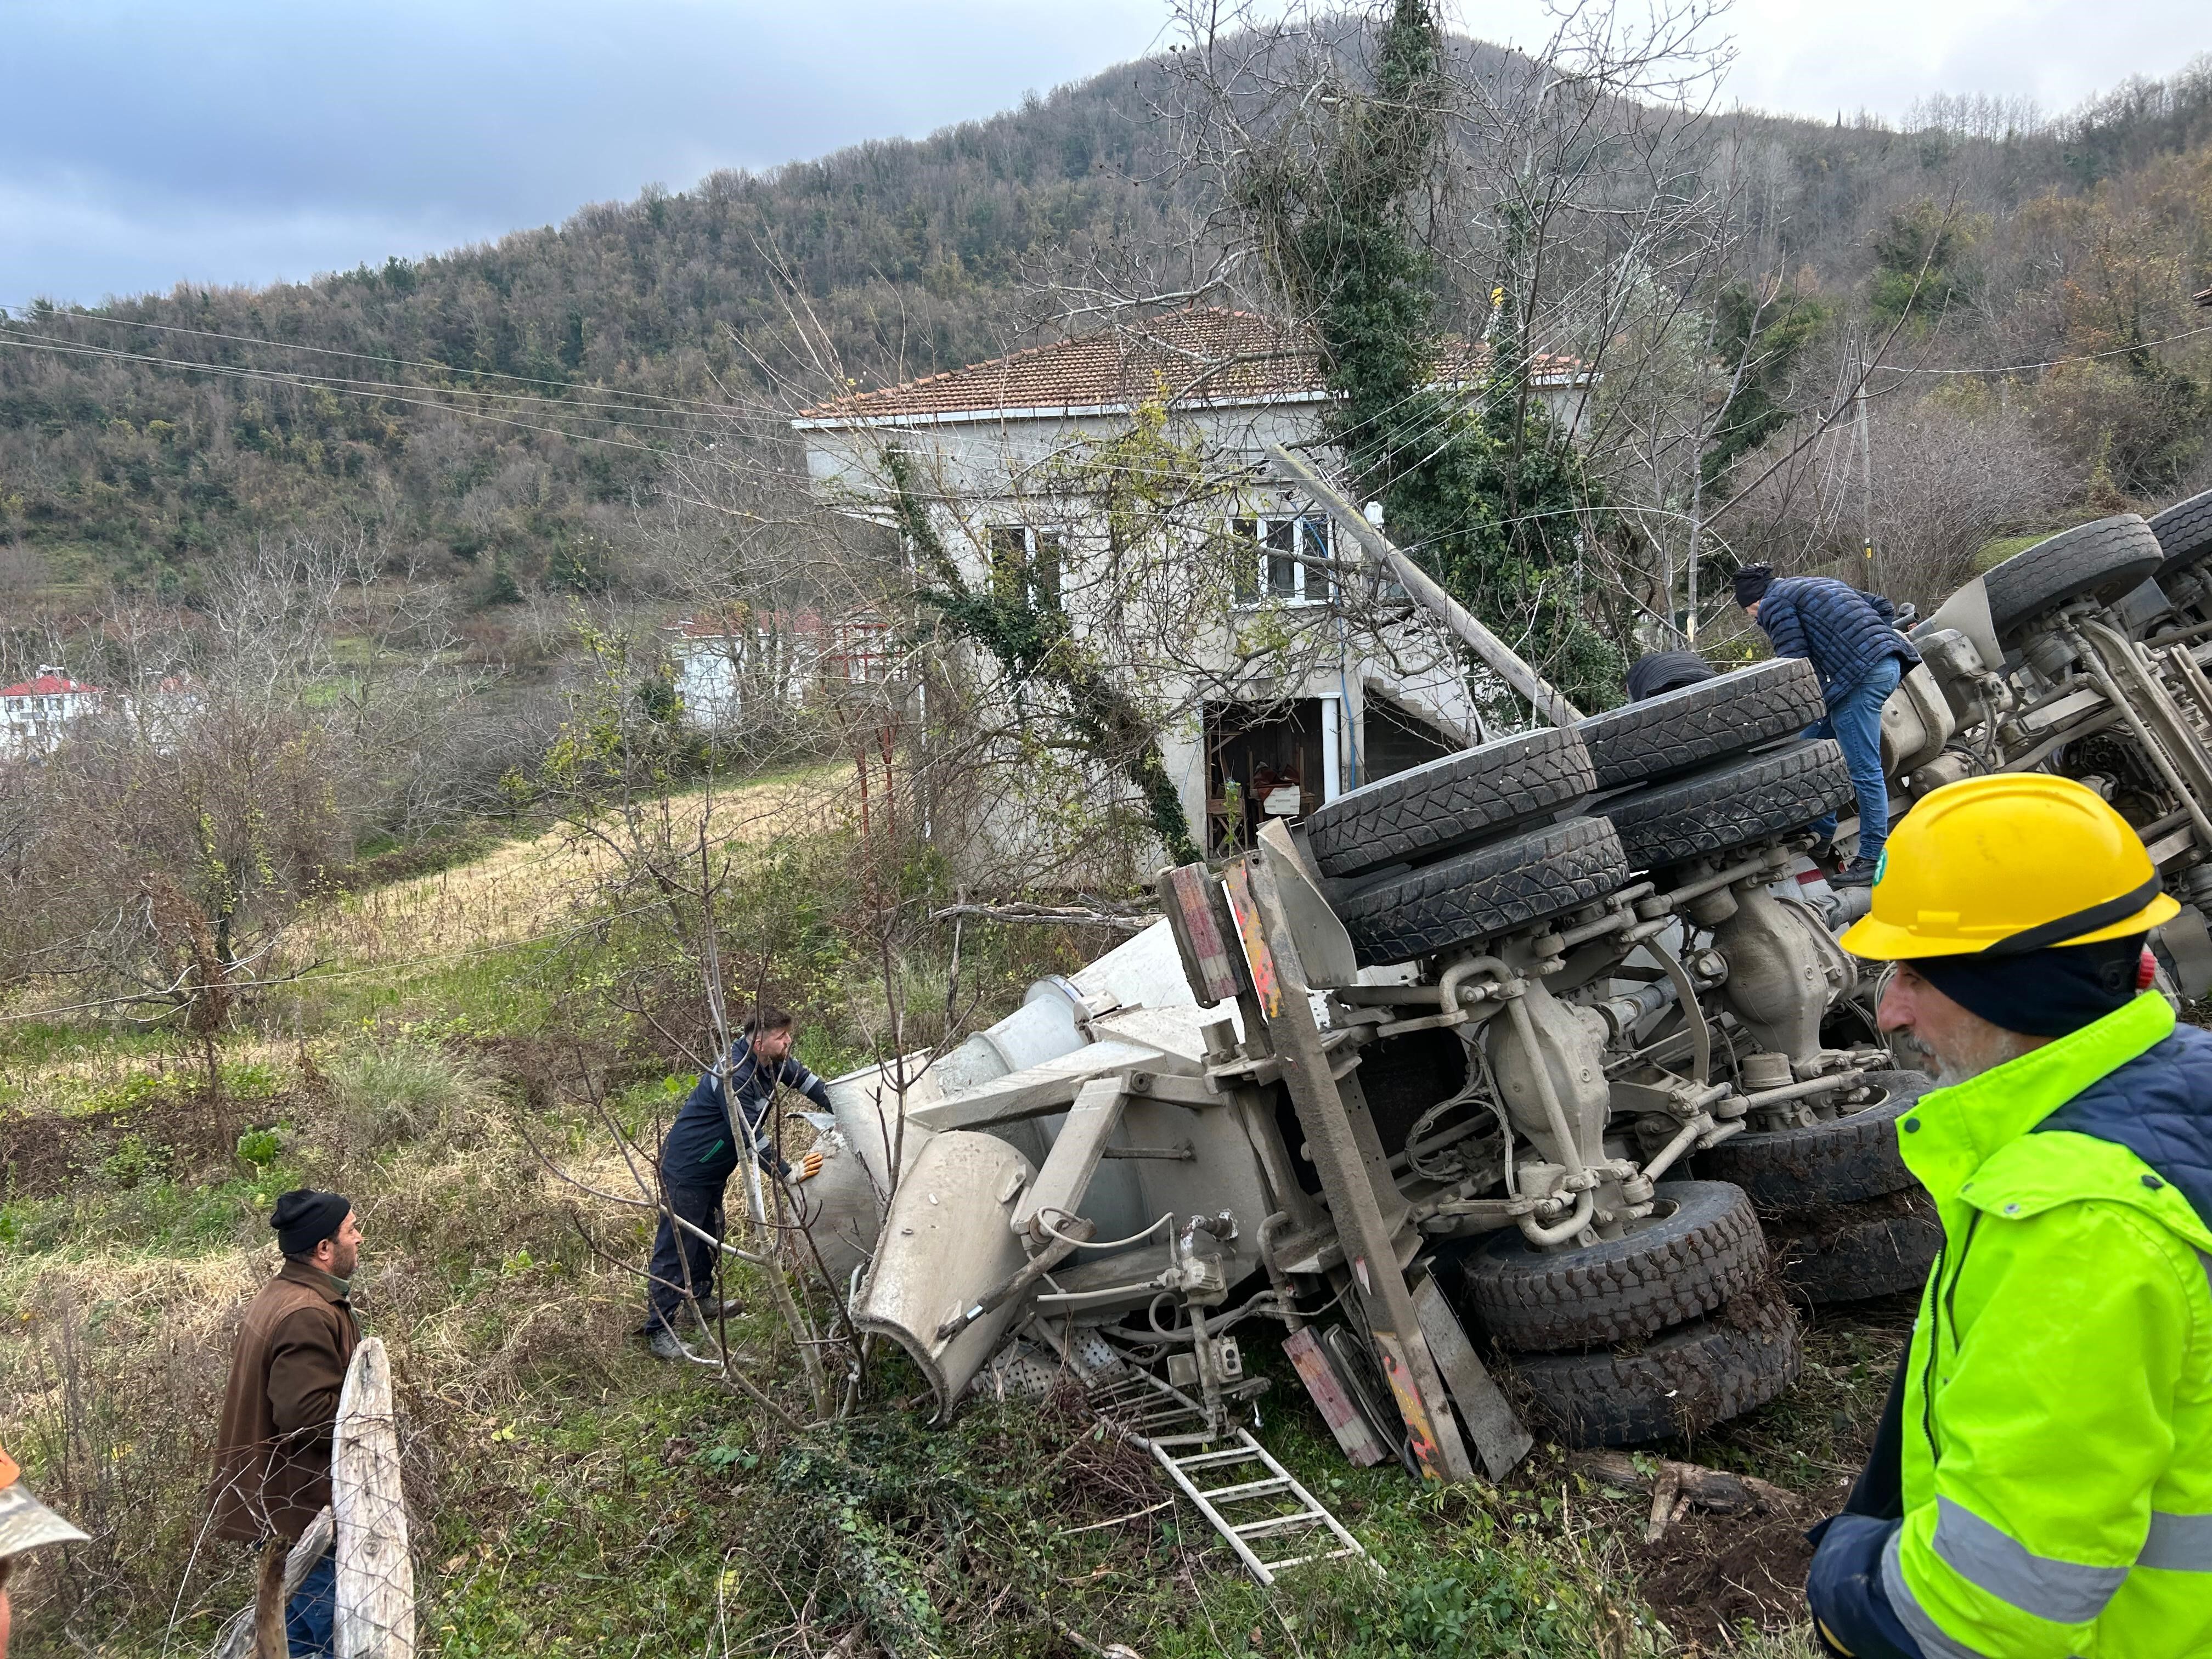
column 1287, row 559
column 1026, row 565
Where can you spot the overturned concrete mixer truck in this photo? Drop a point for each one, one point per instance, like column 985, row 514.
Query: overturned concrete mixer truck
column 1537, row 1066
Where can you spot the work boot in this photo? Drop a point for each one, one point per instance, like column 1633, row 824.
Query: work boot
column 663, row 1345
column 1859, row 872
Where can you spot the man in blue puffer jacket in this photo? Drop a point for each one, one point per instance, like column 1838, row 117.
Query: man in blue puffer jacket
column 1851, row 641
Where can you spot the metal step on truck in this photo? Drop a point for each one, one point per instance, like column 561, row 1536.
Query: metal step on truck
column 1528, row 1084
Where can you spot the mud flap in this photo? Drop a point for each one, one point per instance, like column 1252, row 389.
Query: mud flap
column 1500, row 1438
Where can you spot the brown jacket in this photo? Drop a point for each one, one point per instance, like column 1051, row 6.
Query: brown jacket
column 273, row 1460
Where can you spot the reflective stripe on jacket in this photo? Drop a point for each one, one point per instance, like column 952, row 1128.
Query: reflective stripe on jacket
column 699, row 1151
column 2057, row 1403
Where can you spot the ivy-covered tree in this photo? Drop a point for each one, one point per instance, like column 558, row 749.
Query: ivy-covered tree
column 1017, row 615
column 1483, row 491
column 1764, row 341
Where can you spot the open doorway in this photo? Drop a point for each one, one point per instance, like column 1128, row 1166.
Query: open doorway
column 1393, row 738
column 1262, row 761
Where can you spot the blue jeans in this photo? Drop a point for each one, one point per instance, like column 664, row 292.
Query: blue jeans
column 1854, row 720
column 310, row 1614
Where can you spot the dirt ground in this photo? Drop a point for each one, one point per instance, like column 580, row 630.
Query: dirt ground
column 1712, row 1576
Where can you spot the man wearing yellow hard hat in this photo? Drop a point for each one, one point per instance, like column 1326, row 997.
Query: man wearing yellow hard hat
column 26, row 1524
column 2041, row 1485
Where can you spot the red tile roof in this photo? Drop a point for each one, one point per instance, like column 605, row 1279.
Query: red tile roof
column 48, row 685
column 1203, row 356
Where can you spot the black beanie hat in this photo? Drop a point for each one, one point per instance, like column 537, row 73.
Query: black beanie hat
column 2047, row 993
column 304, row 1217
column 1752, row 583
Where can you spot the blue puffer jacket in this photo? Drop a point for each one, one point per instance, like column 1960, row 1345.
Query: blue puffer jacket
column 1842, row 632
column 2159, row 1106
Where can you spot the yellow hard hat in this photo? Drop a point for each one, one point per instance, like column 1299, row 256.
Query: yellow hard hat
column 2005, row 865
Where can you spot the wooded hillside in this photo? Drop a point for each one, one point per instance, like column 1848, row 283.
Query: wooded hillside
column 500, row 409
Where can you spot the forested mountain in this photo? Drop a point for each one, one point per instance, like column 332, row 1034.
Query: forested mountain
column 497, row 409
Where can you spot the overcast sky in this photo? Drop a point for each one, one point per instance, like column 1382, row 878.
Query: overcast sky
column 246, row 141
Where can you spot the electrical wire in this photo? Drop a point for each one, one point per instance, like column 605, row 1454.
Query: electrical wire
column 21, row 313
column 17, row 333
column 2053, row 363
column 278, row 379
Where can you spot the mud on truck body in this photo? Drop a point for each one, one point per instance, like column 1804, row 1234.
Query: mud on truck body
column 1545, row 1050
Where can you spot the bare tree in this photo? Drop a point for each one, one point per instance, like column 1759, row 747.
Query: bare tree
column 1946, row 473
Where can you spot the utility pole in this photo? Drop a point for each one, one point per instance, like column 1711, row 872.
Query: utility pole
column 1866, row 472
column 1493, row 653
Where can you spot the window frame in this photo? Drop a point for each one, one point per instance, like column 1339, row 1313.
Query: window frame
column 1310, row 584
column 1043, row 573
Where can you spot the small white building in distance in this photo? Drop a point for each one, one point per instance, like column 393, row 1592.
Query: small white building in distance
column 1334, row 701
column 738, row 664
column 35, row 713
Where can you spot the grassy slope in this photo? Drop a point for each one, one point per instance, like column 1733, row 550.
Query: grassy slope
column 571, row 1495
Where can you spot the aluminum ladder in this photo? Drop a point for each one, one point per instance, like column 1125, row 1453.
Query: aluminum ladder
column 1309, row 1524
column 1177, row 1431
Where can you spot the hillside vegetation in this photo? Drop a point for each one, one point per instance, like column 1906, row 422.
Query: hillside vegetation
column 503, row 411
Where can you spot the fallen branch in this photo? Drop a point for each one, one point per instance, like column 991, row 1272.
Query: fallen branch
column 1666, row 1490
column 1111, row 1650
column 236, row 1638
column 1713, row 1490
column 1070, row 1532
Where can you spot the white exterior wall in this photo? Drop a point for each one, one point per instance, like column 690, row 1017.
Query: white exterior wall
column 35, row 723
column 985, row 461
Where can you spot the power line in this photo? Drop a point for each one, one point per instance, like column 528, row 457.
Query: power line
column 701, row 404
column 2053, row 363
column 280, row 378
column 18, row 332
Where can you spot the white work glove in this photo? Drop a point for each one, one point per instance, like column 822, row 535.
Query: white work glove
column 809, row 1167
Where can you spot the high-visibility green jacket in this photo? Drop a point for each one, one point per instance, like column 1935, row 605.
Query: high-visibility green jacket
column 2057, row 1399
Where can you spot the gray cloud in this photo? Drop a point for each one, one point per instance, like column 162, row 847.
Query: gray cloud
column 242, row 140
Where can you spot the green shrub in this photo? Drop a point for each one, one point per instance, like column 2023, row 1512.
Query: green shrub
column 396, row 1089
column 133, row 1160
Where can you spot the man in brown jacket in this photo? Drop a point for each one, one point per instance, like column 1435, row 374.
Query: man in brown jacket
column 273, row 1460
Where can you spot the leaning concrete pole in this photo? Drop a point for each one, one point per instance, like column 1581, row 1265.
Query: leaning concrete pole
column 1490, row 651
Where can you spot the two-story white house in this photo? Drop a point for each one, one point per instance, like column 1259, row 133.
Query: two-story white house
column 1248, row 734
column 36, row 713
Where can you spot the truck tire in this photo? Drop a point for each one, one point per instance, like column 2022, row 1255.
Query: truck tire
column 1840, row 1160
column 1731, row 805
column 1496, row 889
column 2183, row 532
column 1877, row 1247
column 1681, row 1262
column 1679, row 730
column 1478, row 794
column 1681, row 1383
column 2104, row 559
